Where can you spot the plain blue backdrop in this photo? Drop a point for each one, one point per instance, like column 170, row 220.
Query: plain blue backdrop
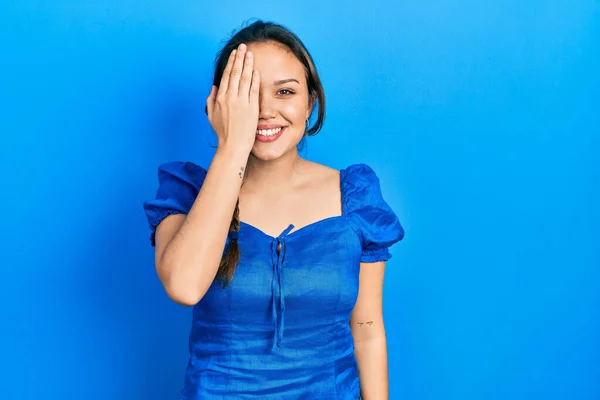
column 482, row 120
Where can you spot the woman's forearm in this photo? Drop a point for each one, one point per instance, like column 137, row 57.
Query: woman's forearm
column 190, row 261
column 371, row 356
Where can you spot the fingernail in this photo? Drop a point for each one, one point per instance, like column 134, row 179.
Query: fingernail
column 242, row 47
column 249, row 54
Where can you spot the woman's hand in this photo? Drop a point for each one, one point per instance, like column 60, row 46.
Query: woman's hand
column 233, row 107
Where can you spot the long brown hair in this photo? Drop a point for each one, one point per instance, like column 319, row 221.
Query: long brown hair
column 261, row 31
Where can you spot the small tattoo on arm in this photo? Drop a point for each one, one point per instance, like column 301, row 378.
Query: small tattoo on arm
column 241, row 172
column 369, row 323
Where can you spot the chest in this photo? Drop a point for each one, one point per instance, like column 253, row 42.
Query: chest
column 301, row 208
column 312, row 272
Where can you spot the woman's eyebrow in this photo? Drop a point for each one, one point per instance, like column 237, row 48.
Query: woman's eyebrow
column 281, row 82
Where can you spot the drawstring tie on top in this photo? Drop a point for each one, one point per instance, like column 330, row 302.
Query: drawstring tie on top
column 277, row 258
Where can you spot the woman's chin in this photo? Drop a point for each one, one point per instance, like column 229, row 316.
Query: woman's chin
column 266, row 154
column 272, row 151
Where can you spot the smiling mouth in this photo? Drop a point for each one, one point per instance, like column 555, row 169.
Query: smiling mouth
column 269, row 135
column 269, row 132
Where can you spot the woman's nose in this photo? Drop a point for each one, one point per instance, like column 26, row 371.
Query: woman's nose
column 265, row 108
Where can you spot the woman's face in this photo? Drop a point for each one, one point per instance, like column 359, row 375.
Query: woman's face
column 283, row 101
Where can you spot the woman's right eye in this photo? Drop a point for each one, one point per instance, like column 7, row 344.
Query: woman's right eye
column 285, row 90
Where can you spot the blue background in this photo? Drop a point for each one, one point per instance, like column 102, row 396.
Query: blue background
column 482, row 120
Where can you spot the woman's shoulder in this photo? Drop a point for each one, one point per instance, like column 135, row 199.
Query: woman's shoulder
column 318, row 168
column 352, row 178
column 318, row 175
column 358, row 176
column 352, row 170
column 369, row 212
column 178, row 166
column 360, row 187
column 184, row 171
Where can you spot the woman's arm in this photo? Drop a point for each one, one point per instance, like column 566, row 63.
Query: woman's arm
column 368, row 331
column 189, row 249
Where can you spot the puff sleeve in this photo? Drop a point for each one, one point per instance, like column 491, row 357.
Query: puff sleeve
column 178, row 186
column 372, row 218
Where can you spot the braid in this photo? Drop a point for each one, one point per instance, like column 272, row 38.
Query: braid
column 232, row 254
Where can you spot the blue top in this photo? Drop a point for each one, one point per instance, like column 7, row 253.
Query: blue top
column 281, row 329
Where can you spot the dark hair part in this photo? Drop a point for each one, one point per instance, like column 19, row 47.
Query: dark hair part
column 264, row 32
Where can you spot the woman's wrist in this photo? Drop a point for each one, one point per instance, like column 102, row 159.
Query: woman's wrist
column 233, row 151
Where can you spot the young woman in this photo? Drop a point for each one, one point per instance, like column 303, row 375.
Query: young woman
column 282, row 258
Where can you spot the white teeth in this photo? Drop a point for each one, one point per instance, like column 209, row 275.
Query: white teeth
column 268, row 132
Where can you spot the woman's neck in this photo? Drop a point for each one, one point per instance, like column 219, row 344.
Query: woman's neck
column 272, row 175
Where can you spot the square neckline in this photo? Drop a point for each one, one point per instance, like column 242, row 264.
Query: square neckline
column 310, row 225
column 295, row 231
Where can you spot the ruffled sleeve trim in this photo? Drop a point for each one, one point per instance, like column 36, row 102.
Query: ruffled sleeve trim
column 178, row 186
column 370, row 256
column 372, row 218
